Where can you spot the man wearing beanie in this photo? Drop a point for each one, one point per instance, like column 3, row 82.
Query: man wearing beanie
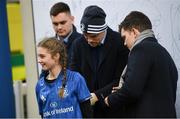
column 100, row 56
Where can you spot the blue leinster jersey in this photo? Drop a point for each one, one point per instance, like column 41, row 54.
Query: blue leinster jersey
column 51, row 105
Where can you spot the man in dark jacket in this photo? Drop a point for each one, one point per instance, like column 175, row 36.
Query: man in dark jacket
column 148, row 86
column 62, row 22
column 65, row 31
column 100, row 57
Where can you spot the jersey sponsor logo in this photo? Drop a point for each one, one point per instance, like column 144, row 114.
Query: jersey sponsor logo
column 53, row 104
column 58, row 111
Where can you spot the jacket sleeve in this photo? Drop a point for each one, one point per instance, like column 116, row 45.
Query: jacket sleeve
column 122, row 61
column 86, row 109
column 74, row 62
column 136, row 76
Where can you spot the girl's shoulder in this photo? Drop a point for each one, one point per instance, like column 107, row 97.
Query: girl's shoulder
column 70, row 72
column 40, row 83
column 74, row 75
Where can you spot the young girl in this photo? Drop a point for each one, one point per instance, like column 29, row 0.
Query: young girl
column 61, row 93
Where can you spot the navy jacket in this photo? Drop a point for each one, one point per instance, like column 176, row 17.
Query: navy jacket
column 74, row 36
column 150, row 83
column 112, row 60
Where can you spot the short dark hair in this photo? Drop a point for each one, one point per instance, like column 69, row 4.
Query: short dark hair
column 136, row 19
column 59, row 8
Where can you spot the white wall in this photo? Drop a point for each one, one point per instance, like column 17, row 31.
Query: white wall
column 30, row 57
column 164, row 15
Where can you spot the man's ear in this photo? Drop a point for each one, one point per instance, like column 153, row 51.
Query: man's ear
column 136, row 32
column 72, row 19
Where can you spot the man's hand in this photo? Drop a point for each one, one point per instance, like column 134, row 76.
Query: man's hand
column 106, row 101
column 114, row 89
column 93, row 99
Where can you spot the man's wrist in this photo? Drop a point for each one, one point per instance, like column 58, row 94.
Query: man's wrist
column 93, row 99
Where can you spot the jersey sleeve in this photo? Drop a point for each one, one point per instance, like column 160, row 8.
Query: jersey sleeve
column 83, row 93
column 39, row 102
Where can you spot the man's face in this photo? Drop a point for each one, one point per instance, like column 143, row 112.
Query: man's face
column 129, row 37
column 94, row 39
column 62, row 23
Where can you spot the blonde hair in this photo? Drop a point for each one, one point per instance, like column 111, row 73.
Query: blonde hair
column 55, row 46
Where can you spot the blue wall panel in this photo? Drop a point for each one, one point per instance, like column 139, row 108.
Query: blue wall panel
column 7, row 105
